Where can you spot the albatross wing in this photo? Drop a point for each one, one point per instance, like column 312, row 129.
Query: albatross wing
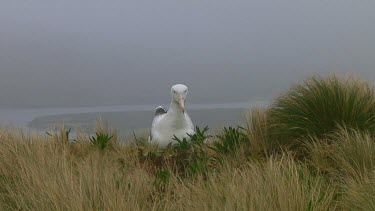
column 159, row 112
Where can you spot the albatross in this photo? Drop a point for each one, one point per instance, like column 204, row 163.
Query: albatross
column 174, row 122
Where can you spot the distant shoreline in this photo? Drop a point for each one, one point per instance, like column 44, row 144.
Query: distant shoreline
column 126, row 122
column 22, row 117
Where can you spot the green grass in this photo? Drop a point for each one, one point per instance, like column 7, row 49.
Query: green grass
column 101, row 140
column 230, row 140
column 319, row 106
column 328, row 120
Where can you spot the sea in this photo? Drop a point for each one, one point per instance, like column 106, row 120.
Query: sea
column 127, row 120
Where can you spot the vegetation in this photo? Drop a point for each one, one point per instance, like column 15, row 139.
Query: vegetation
column 312, row 149
column 319, row 106
column 101, row 140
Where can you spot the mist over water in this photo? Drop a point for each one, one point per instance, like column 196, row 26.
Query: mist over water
column 125, row 119
column 120, row 53
column 80, row 53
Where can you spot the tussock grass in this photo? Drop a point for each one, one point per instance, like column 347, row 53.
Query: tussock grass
column 319, row 105
column 349, row 160
column 257, row 167
column 360, row 194
column 257, row 131
column 278, row 184
column 347, row 152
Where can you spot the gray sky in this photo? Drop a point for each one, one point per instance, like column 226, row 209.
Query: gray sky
column 76, row 52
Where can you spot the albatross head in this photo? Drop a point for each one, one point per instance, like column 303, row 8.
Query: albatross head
column 179, row 92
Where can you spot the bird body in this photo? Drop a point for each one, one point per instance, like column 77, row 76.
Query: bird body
column 174, row 122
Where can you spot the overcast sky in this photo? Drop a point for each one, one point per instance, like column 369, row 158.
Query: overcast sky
column 86, row 53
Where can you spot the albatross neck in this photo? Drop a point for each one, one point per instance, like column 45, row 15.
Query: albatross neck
column 175, row 109
column 176, row 116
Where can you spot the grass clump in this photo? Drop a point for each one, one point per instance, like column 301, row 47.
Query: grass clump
column 229, row 140
column 101, row 140
column 348, row 153
column 360, row 194
column 348, row 160
column 192, row 156
column 257, row 131
column 319, row 106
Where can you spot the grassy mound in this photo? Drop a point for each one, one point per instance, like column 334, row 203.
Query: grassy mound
column 319, row 106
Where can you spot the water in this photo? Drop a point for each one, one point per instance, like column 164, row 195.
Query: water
column 124, row 118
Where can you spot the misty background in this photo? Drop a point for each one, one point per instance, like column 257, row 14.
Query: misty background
column 99, row 53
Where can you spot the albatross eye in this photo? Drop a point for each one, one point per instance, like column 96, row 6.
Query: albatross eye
column 174, row 91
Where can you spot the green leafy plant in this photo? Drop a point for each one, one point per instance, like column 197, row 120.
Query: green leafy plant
column 183, row 144
column 101, row 140
column 192, row 155
column 199, row 137
column 230, row 140
column 201, row 157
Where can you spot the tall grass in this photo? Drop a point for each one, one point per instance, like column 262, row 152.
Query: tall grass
column 278, row 184
column 348, row 152
column 348, row 159
column 360, row 194
column 257, row 131
column 319, row 105
column 43, row 173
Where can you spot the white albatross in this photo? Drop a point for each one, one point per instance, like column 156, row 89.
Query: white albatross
column 175, row 122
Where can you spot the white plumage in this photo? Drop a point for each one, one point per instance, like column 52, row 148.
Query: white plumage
column 174, row 122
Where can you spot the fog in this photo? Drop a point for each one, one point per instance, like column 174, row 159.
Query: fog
column 86, row 53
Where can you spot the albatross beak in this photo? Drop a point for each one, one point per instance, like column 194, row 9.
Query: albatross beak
column 181, row 103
